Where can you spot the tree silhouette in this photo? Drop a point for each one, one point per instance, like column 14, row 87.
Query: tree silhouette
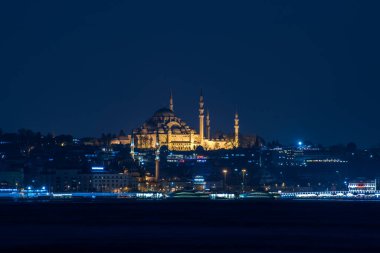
column 199, row 150
column 106, row 139
column 351, row 147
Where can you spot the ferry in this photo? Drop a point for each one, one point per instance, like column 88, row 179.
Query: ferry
column 259, row 195
column 196, row 195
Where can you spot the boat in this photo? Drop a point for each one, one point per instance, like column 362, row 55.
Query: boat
column 259, row 195
column 189, row 195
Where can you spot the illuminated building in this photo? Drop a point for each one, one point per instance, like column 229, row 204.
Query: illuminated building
column 167, row 129
column 305, row 156
column 362, row 186
column 199, row 183
column 110, row 182
column 185, row 158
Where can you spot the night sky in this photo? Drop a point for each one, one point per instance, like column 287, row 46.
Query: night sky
column 296, row 70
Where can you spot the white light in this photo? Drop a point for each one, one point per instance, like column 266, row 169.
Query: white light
column 97, row 168
column 300, row 143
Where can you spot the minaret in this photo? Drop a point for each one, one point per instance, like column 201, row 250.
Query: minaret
column 208, row 125
column 236, row 126
column 201, row 118
column 157, row 162
column 133, row 147
column 171, row 107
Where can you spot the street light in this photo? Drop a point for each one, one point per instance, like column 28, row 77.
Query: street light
column 243, row 171
column 225, row 178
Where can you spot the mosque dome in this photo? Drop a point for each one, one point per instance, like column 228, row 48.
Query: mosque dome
column 162, row 121
column 164, row 112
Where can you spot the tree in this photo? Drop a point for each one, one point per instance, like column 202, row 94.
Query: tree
column 199, row 150
column 106, row 139
column 64, row 139
column 351, row 147
column 164, row 149
column 26, row 138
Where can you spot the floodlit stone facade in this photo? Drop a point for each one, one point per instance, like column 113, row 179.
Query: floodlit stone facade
column 165, row 128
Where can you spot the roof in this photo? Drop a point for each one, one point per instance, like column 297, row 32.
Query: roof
column 163, row 120
column 164, row 112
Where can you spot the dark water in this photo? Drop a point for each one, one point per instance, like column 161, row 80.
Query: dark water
column 160, row 226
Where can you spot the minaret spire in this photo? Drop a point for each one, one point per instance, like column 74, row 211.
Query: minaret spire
column 208, row 125
column 201, row 118
column 236, row 127
column 171, row 106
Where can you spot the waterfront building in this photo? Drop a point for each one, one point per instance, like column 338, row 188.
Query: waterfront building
column 98, row 180
column 112, row 182
column 362, row 186
column 11, row 178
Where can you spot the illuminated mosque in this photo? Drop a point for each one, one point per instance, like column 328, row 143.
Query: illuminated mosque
column 164, row 128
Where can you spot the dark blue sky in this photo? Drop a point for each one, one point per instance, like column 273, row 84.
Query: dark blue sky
column 295, row 69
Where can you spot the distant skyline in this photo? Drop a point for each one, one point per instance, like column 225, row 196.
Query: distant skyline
column 296, row 70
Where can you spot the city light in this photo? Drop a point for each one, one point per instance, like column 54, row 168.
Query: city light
column 97, row 169
column 239, row 126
